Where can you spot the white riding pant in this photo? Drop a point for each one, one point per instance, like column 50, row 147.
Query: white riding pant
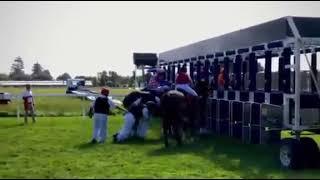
column 187, row 88
column 100, row 127
column 143, row 128
column 127, row 128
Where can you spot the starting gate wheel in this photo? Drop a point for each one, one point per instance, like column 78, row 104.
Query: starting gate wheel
column 310, row 151
column 290, row 154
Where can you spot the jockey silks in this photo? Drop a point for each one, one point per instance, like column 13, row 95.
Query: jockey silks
column 134, row 96
column 136, row 110
column 101, row 105
column 183, row 78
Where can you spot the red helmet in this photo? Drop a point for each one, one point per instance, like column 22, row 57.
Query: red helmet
column 105, row 91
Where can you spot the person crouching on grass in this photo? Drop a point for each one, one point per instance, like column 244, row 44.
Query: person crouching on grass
column 28, row 103
column 101, row 107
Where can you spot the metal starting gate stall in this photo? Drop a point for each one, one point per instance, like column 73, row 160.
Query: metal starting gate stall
column 259, row 116
column 143, row 61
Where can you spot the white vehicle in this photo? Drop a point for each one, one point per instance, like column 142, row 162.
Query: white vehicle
column 77, row 86
column 5, row 98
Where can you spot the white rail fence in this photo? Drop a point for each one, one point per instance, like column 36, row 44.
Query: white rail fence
column 38, row 83
column 18, row 97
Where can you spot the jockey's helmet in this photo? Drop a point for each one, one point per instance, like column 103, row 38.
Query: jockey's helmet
column 105, row 91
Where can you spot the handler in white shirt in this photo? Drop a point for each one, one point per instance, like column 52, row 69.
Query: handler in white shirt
column 28, row 102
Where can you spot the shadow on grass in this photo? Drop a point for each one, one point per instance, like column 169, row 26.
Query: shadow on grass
column 247, row 159
column 140, row 141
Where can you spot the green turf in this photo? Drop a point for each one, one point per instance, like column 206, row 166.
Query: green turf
column 56, row 147
column 52, row 106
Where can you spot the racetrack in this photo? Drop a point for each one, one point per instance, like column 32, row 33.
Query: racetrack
column 56, row 147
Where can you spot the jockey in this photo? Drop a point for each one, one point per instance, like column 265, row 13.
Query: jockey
column 163, row 83
column 202, row 84
column 136, row 121
column 140, row 105
column 137, row 97
column 183, row 81
column 232, row 83
column 157, row 83
column 101, row 107
column 221, row 83
column 221, row 80
column 153, row 82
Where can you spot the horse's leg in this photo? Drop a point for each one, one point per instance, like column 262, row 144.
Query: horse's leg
column 193, row 113
column 166, row 128
column 177, row 128
column 200, row 115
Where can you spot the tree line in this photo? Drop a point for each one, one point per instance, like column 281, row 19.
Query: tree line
column 17, row 72
column 104, row 78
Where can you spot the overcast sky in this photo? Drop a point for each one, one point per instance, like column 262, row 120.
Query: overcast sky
column 83, row 38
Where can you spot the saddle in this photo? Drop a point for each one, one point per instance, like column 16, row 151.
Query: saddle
column 187, row 95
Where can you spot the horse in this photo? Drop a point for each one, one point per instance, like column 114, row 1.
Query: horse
column 179, row 113
column 147, row 99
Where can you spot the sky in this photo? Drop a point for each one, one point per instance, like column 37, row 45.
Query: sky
column 83, row 38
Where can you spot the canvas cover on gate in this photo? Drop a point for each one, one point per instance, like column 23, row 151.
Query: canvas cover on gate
column 271, row 31
column 145, row 59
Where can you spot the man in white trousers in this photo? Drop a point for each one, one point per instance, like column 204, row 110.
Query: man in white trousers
column 131, row 119
column 101, row 107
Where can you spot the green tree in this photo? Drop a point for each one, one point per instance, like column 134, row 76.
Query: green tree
column 131, row 81
column 114, row 79
column 36, row 71
column 65, row 76
column 18, row 65
column 87, row 78
column 4, row 77
column 94, row 82
column 46, row 75
column 17, row 70
column 79, row 77
column 102, row 78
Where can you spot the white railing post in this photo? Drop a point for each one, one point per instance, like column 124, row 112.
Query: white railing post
column 18, row 110
column 83, row 108
column 297, row 47
column 297, row 86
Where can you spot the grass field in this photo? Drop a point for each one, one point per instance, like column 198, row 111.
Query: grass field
column 51, row 106
column 56, row 147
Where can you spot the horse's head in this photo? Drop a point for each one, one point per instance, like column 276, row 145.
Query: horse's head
column 153, row 108
column 173, row 98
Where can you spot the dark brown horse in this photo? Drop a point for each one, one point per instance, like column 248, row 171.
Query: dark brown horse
column 179, row 113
